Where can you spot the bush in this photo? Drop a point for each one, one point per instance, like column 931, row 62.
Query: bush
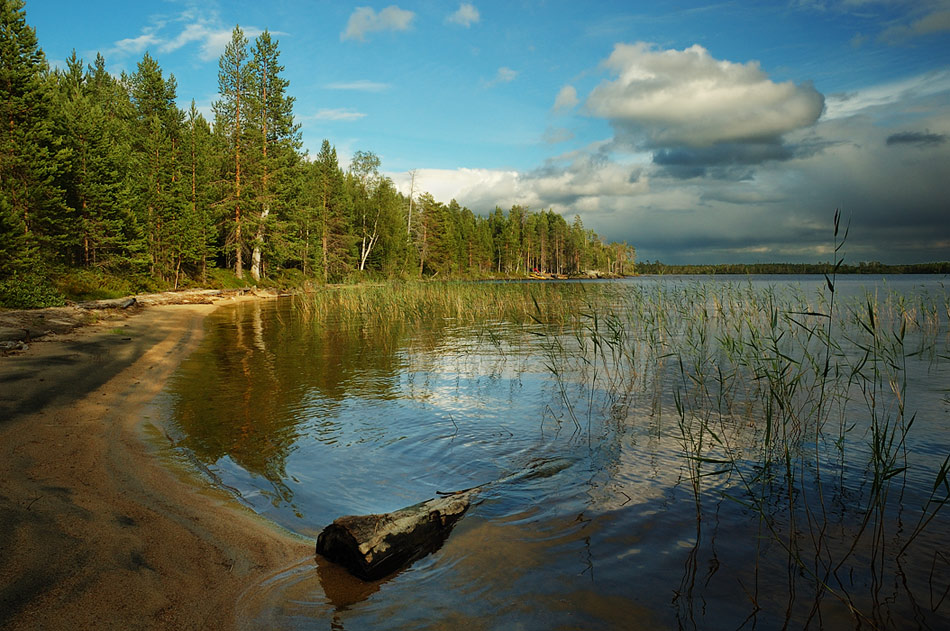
column 88, row 284
column 29, row 291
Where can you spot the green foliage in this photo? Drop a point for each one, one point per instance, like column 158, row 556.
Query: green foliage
column 32, row 215
column 29, row 291
column 95, row 284
column 224, row 278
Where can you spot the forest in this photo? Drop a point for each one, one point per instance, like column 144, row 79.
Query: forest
column 108, row 186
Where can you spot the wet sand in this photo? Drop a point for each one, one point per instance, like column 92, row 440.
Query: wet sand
column 97, row 531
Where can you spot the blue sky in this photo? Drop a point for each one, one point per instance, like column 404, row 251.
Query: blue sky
column 696, row 131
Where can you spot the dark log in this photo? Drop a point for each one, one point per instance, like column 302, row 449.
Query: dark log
column 374, row 546
column 116, row 303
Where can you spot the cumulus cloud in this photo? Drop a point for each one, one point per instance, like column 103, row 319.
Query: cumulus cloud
column 366, row 20
column 466, row 15
column 673, row 98
column 566, row 98
column 709, row 190
column 581, row 182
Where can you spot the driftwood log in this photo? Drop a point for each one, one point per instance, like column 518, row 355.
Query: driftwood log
column 374, row 546
column 115, row 303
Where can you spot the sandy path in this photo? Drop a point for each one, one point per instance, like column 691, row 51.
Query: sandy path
column 96, row 531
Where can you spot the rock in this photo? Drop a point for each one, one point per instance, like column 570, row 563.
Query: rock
column 373, row 546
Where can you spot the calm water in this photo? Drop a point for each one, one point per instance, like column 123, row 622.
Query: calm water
column 310, row 419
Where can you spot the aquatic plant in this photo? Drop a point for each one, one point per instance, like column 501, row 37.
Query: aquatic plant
column 795, row 407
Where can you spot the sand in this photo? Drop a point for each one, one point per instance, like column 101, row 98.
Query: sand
column 97, row 529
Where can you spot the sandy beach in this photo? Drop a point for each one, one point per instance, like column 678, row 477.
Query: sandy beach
column 97, row 531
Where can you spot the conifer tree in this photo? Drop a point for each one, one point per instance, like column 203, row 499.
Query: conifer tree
column 231, row 114
column 95, row 178
column 31, row 204
column 275, row 134
column 159, row 190
column 198, row 173
column 329, row 201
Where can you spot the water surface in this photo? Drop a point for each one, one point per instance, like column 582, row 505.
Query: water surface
column 310, row 418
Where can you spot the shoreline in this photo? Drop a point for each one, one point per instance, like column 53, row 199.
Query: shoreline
column 97, row 530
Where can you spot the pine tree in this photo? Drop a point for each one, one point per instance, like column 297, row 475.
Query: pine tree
column 231, row 113
column 275, row 134
column 159, row 193
column 198, row 173
column 31, row 204
column 330, row 202
column 94, row 178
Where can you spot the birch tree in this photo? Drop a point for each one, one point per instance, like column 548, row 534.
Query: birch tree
column 365, row 168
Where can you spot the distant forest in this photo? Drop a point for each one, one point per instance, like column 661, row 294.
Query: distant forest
column 646, row 267
column 105, row 178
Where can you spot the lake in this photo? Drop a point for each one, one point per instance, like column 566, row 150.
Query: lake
column 747, row 452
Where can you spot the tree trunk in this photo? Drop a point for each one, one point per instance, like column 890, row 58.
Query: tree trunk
column 374, row 546
column 258, row 241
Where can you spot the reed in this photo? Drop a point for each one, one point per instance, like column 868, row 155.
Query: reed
column 795, row 406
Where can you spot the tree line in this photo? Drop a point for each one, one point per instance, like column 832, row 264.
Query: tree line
column 108, row 175
column 863, row 267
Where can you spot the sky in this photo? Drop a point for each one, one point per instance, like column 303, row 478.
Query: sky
column 698, row 132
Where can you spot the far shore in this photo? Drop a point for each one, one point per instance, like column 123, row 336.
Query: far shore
column 96, row 531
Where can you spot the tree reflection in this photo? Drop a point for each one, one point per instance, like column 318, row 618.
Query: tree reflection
column 267, row 374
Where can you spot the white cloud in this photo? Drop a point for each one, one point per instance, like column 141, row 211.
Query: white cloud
column 336, row 114
column 586, row 183
column 212, row 41
column 566, row 98
column 504, row 75
column 361, row 85
column 365, row 20
column 688, row 98
column 466, row 15
column 136, row 45
column 864, row 100
column 193, row 27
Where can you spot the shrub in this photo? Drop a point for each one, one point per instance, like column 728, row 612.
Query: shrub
column 29, row 291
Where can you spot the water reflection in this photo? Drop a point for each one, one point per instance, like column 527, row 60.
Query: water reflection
column 313, row 418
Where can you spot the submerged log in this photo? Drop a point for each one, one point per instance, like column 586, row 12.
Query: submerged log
column 374, row 546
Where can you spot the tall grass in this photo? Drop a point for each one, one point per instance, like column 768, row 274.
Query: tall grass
column 788, row 402
column 795, row 407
